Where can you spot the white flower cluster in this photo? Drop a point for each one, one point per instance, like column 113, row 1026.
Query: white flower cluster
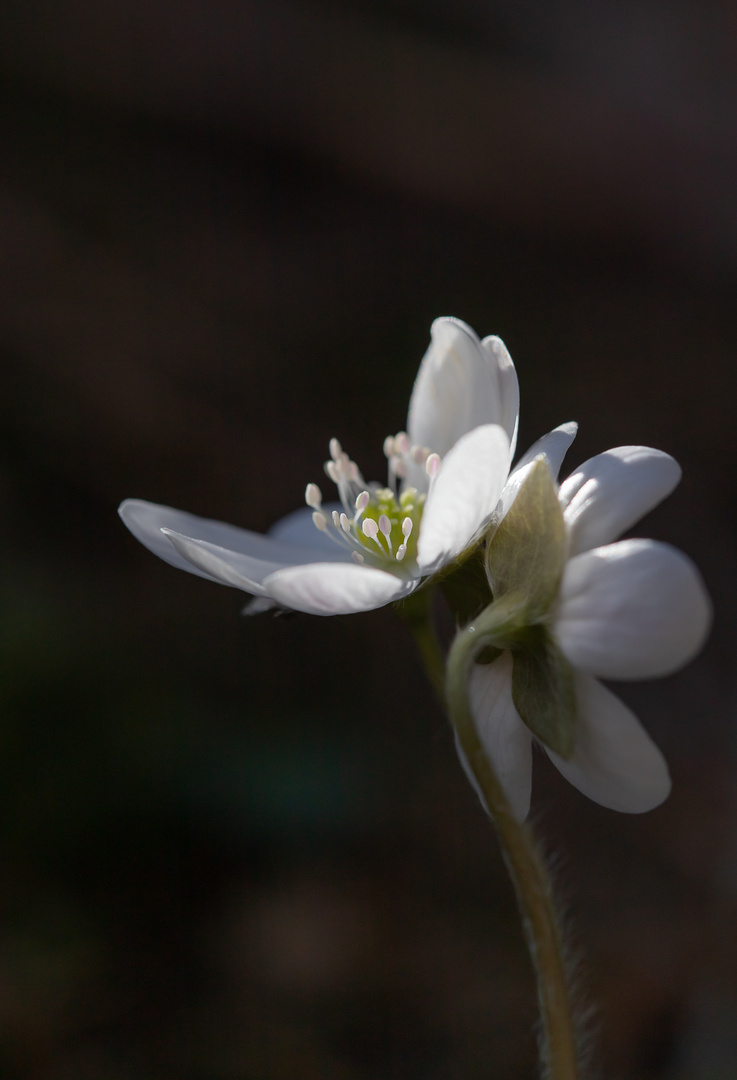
column 624, row 610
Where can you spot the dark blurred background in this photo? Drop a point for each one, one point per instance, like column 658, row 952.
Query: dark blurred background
column 242, row 849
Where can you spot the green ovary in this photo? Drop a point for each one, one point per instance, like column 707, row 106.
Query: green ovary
column 383, row 501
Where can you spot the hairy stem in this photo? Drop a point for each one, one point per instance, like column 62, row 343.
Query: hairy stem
column 523, row 860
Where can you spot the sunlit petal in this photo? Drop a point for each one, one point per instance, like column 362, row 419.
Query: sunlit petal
column 552, row 448
column 610, row 492
column 457, row 387
column 463, row 496
column 631, row 610
column 335, row 588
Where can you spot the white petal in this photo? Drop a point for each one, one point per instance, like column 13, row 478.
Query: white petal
column 146, row 520
column 552, row 448
column 458, row 387
column 219, row 564
column 335, row 588
column 463, row 496
column 610, row 492
column 615, row 762
column 505, row 739
column 508, row 388
column 631, row 610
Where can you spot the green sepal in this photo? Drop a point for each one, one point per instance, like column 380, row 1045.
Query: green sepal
column 543, row 689
column 526, row 554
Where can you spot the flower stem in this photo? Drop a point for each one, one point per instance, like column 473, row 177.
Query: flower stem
column 415, row 611
column 521, row 855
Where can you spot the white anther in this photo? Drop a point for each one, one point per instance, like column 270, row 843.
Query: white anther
column 388, row 446
column 407, row 525
column 357, row 557
column 320, row 521
column 345, row 524
column 332, row 470
column 362, row 501
column 370, row 528
column 313, row 496
column 398, row 467
column 432, row 465
column 419, row 454
column 401, row 443
column 401, row 552
column 385, row 526
column 335, row 449
column 336, row 518
column 352, row 470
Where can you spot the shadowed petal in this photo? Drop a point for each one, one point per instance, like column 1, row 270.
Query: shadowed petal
column 505, row 739
column 335, row 588
column 298, row 528
column 463, row 496
column 615, row 762
column 631, row 610
column 610, row 492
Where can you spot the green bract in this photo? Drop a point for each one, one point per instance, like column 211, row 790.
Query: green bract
column 527, row 552
column 543, row 690
column 524, row 564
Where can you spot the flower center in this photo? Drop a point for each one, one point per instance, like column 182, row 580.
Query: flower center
column 379, row 525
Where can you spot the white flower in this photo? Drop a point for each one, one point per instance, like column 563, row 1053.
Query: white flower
column 446, row 475
column 634, row 609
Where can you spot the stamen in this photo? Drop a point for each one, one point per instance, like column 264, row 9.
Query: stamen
column 389, row 446
column 313, row 496
column 398, row 467
column 336, row 518
column 335, row 449
column 401, row 443
column 419, row 454
column 357, row 557
column 370, row 528
column 320, row 521
column 401, row 552
column 385, row 526
column 432, row 465
column 345, row 524
column 362, row 501
column 332, row 470
column 407, row 527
